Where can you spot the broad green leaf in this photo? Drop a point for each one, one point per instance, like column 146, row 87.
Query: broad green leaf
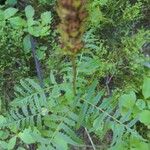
column 40, row 54
column 3, row 145
column 34, row 30
column 146, row 88
column 29, row 11
column 17, row 22
column 27, row 44
column 8, row 146
column 148, row 104
column 44, row 31
column 4, row 135
column 128, row 100
column 11, row 2
column 12, row 143
column 140, row 104
column 1, row 15
column 2, row 120
column 145, row 117
column 9, row 12
column 26, row 136
column 140, row 146
column 46, row 18
column 31, row 22
column 61, row 144
column 136, row 144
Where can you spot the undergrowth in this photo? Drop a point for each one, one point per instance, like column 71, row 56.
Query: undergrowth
column 103, row 105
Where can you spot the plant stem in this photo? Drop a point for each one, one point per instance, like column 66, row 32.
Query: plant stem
column 74, row 70
column 37, row 62
column 93, row 146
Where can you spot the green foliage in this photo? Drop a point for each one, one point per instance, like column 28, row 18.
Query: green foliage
column 144, row 117
column 117, row 40
column 26, row 136
column 10, row 145
column 17, row 54
column 146, row 88
column 112, row 83
column 44, row 2
column 11, row 2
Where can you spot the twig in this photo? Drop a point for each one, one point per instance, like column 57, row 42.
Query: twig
column 108, row 81
column 107, row 84
column 37, row 62
column 93, row 146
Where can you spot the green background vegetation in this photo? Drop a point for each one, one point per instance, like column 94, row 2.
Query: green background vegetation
column 111, row 110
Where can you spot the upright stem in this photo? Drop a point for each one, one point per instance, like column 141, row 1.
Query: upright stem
column 37, row 62
column 74, row 70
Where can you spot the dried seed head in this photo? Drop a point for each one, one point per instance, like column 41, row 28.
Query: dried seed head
column 72, row 14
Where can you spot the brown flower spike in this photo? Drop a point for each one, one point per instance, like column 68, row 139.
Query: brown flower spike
column 72, row 14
